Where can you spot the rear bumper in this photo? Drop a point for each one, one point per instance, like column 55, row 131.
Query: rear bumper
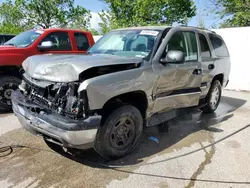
column 53, row 127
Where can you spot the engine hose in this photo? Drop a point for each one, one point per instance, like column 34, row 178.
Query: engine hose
column 9, row 149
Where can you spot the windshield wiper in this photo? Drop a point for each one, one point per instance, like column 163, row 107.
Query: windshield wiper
column 10, row 44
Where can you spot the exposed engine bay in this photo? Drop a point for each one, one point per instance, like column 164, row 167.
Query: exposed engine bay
column 61, row 98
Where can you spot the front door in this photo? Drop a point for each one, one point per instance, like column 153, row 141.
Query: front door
column 61, row 41
column 178, row 85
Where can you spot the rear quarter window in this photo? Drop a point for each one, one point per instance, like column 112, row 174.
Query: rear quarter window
column 219, row 46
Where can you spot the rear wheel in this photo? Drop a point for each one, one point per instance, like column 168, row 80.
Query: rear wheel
column 213, row 97
column 7, row 85
column 119, row 133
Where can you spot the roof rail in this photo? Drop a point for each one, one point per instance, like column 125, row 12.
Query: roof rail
column 198, row 28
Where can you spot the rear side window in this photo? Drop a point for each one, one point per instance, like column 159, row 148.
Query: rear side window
column 81, row 41
column 205, row 51
column 219, row 46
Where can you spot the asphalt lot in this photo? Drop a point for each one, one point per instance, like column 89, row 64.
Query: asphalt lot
column 179, row 160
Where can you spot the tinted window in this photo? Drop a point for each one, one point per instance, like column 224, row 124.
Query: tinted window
column 205, row 51
column 1, row 40
column 185, row 42
column 8, row 37
column 60, row 40
column 219, row 46
column 81, row 41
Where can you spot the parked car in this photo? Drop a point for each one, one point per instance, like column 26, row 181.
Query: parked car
column 5, row 37
column 130, row 78
column 33, row 42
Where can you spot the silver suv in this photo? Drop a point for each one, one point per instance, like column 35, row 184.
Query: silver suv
column 129, row 79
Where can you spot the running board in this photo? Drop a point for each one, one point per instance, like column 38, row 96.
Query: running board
column 159, row 118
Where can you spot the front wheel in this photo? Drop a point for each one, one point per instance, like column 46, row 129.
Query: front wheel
column 213, row 97
column 7, row 85
column 120, row 132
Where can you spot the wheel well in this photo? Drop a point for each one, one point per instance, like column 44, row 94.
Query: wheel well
column 219, row 77
column 137, row 99
column 10, row 70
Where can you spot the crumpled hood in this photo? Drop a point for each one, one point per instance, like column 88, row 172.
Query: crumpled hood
column 66, row 68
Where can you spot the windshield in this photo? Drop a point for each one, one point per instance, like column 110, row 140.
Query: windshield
column 24, row 39
column 131, row 43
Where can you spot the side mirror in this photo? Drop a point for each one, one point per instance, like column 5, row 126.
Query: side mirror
column 45, row 46
column 174, row 57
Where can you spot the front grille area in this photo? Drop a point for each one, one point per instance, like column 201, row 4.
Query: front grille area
column 61, row 98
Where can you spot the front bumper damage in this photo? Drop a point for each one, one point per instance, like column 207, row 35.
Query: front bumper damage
column 55, row 128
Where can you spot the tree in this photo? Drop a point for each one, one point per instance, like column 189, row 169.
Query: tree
column 11, row 18
column 200, row 21
column 108, row 22
column 236, row 13
column 44, row 14
column 10, row 29
column 147, row 12
column 94, row 31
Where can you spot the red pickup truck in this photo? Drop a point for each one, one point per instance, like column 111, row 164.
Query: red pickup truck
column 33, row 42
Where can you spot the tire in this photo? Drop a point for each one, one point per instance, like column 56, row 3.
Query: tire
column 213, row 97
column 120, row 132
column 7, row 85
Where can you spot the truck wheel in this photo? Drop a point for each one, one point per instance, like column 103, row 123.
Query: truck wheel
column 213, row 97
column 7, row 85
column 119, row 133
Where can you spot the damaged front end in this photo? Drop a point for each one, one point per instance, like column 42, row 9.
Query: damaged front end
column 61, row 98
column 56, row 111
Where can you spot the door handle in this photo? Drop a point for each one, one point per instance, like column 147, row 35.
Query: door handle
column 197, row 71
column 211, row 66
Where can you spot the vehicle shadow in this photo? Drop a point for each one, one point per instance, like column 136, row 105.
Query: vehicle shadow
column 180, row 128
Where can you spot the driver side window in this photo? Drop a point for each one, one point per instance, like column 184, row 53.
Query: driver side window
column 60, row 40
column 186, row 42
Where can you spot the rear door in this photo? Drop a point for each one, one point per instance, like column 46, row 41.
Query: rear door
column 207, row 62
column 178, row 85
column 82, row 42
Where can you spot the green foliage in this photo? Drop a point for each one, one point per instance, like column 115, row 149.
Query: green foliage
column 108, row 22
column 10, row 29
column 27, row 14
column 200, row 21
column 146, row 12
column 94, row 31
column 11, row 17
column 235, row 12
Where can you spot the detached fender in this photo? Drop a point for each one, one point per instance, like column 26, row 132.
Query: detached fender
column 102, row 88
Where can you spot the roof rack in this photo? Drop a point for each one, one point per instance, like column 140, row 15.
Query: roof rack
column 198, row 28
